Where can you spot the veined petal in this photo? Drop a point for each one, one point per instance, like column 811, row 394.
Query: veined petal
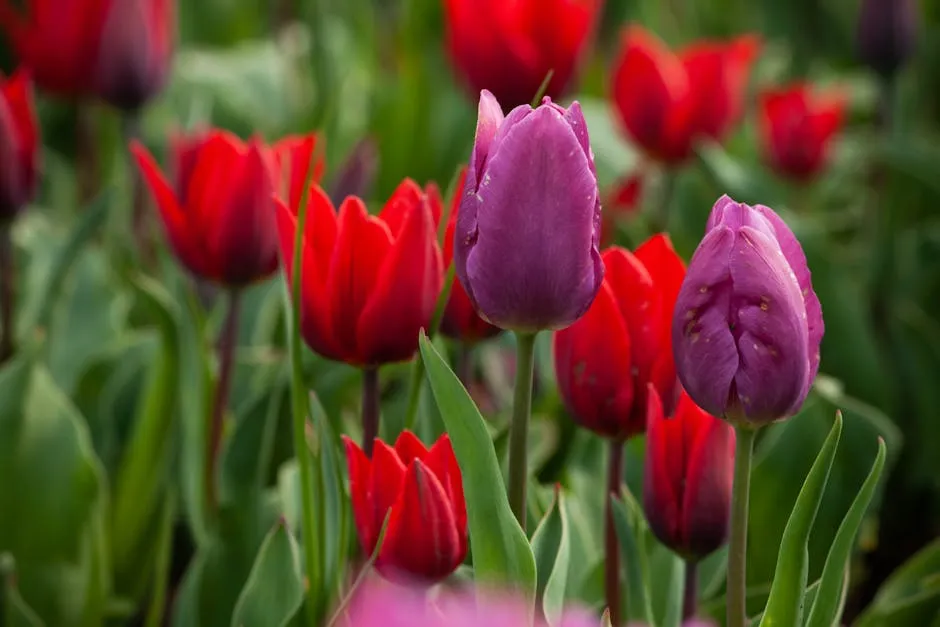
column 360, row 486
column 409, row 447
column 708, row 481
column 388, row 475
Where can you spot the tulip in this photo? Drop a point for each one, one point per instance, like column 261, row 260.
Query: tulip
column 119, row 50
column 797, row 129
column 887, row 34
column 622, row 201
column 605, row 361
column 420, row 492
column 460, row 320
column 747, row 324
column 668, row 102
column 19, row 145
column 509, row 48
column 687, row 479
column 218, row 213
column 526, row 238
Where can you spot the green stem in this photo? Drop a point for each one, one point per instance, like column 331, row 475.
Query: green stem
column 737, row 553
column 612, row 547
column 519, row 431
column 690, row 591
column 370, row 408
column 659, row 220
column 464, row 365
column 7, row 292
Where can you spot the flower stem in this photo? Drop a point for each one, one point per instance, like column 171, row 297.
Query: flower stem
column 464, row 364
column 370, row 408
column 659, row 220
column 737, row 553
column 690, row 592
column 139, row 223
column 227, row 342
column 7, row 292
column 611, row 546
column 519, row 431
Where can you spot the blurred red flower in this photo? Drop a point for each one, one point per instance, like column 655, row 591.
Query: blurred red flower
column 509, row 46
column 19, row 144
column 421, row 492
column 797, row 128
column 370, row 283
column 622, row 200
column 118, row 50
column 667, row 102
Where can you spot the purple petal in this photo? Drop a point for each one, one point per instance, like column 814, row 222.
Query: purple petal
column 489, row 119
column 771, row 329
column 703, row 345
column 717, row 215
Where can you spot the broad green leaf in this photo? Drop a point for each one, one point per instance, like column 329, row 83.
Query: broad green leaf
column 827, row 608
column 274, row 590
column 910, row 596
column 785, row 605
column 14, row 612
column 501, row 551
column 552, row 551
column 632, row 558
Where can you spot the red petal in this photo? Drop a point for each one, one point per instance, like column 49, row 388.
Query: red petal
column 18, row 93
column 387, row 475
column 360, row 484
column 405, row 292
column 639, row 303
column 405, row 197
column 362, row 245
column 294, row 157
column 661, row 493
column 409, row 447
column 443, row 463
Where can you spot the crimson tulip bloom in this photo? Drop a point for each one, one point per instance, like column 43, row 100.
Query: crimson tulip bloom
column 19, row 145
column 797, row 128
column 119, row 50
column 461, row 321
column 605, row 361
column 688, row 477
column 370, row 283
column 667, row 102
column 508, row 48
column 219, row 213
column 421, row 493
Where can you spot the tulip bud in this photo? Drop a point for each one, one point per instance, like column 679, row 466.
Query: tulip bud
column 19, row 145
column 887, row 33
column 688, row 477
column 747, row 323
column 421, row 493
column 527, row 235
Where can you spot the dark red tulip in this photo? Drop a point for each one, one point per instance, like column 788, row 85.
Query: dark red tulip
column 508, row 48
column 667, row 102
column 218, row 212
column 118, row 50
column 460, row 320
column 421, row 493
column 688, row 476
column 19, row 145
column 622, row 201
column 370, row 283
column 887, row 34
column 605, row 360
column 797, row 128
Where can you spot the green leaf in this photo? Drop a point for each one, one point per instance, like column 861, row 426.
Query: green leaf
column 552, row 551
column 274, row 590
column 785, row 605
column 14, row 612
column 911, row 595
column 501, row 551
column 638, row 604
column 827, row 608
column 164, row 555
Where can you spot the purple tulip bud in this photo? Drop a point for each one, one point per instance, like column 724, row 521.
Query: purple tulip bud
column 526, row 240
column 887, row 30
column 747, row 324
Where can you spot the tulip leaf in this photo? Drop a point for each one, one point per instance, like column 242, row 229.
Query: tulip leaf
column 827, row 607
column 501, row 551
column 274, row 590
column 911, row 595
column 14, row 611
column 785, row 604
column 164, row 555
column 552, row 549
column 638, row 604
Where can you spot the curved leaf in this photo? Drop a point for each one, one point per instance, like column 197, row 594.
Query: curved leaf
column 911, row 595
column 638, row 603
column 552, row 550
column 274, row 590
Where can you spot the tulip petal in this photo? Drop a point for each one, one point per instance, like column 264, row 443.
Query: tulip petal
column 295, row 159
column 405, row 292
column 708, row 480
column 534, row 263
column 443, row 463
column 489, row 118
column 362, row 244
column 661, row 496
column 385, row 484
column 592, row 366
column 405, row 197
column 639, row 304
column 409, row 447
column 422, row 536
column 18, row 93
column 704, row 347
column 360, row 485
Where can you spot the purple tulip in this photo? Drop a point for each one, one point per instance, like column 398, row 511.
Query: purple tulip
column 526, row 240
column 887, row 34
column 747, row 323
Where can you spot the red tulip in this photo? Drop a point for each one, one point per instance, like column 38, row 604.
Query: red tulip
column 19, row 144
column 460, row 320
column 421, row 493
column 623, row 200
column 219, row 213
column 688, row 478
column 605, row 360
column 370, row 283
column 509, row 47
column 797, row 128
column 119, row 50
column 667, row 102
